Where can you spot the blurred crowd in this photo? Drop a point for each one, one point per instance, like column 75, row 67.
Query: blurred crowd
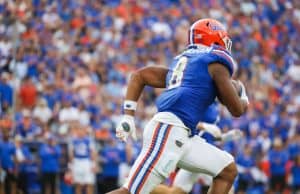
column 66, row 62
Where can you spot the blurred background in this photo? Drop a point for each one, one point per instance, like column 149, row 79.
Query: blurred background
column 64, row 66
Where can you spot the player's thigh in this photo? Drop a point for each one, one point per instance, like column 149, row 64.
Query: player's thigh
column 185, row 180
column 158, row 157
column 203, row 157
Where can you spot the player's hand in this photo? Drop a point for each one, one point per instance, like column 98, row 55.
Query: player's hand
column 125, row 128
column 214, row 130
column 243, row 93
column 234, row 134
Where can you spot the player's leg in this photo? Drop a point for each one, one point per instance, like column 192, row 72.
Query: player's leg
column 205, row 158
column 164, row 189
column 184, row 180
column 183, row 183
column 224, row 180
column 157, row 160
column 206, row 181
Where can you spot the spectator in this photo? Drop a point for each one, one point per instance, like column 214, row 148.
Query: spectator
column 265, row 141
column 51, row 18
column 84, row 115
column 111, row 158
column 6, row 93
column 83, row 161
column 82, row 83
column 278, row 158
column 28, row 93
column 42, row 112
column 27, row 128
column 5, row 46
column 23, row 159
column 19, row 66
column 295, row 171
column 8, row 154
column 68, row 113
column 68, row 46
column 245, row 162
column 49, row 154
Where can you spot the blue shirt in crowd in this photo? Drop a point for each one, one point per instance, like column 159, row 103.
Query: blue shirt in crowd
column 295, row 175
column 50, row 158
column 8, row 152
column 112, row 157
column 278, row 161
column 247, row 162
column 24, row 166
column 6, row 94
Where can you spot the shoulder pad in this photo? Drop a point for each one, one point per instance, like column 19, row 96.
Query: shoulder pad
column 224, row 57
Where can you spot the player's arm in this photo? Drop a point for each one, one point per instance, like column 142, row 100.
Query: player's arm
column 216, row 132
column 226, row 91
column 154, row 76
column 212, row 129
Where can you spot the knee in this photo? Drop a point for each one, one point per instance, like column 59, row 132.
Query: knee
column 229, row 173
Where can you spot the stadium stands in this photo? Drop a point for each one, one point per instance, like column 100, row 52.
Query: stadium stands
column 63, row 61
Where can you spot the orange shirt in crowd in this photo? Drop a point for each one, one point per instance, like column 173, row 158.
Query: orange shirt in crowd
column 28, row 95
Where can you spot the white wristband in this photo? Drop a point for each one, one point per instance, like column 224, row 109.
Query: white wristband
column 243, row 93
column 129, row 105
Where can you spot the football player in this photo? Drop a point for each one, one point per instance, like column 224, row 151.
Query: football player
column 195, row 78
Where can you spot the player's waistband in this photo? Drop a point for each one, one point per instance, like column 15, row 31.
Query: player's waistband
column 171, row 119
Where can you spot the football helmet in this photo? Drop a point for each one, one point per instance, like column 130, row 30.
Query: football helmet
column 209, row 31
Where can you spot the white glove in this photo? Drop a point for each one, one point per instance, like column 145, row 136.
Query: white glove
column 214, row 130
column 243, row 94
column 234, row 134
column 125, row 128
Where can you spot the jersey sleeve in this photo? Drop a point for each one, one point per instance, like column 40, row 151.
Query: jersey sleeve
column 224, row 58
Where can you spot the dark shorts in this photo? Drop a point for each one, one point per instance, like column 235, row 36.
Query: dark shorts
column 277, row 182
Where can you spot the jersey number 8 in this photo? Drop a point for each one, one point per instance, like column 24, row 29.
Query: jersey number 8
column 177, row 74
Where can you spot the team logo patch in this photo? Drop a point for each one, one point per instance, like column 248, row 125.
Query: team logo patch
column 126, row 127
column 216, row 27
column 178, row 143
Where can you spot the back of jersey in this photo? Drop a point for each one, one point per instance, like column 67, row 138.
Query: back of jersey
column 190, row 88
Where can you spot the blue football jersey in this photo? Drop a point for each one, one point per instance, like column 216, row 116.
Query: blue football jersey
column 211, row 114
column 82, row 147
column 190, row 88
